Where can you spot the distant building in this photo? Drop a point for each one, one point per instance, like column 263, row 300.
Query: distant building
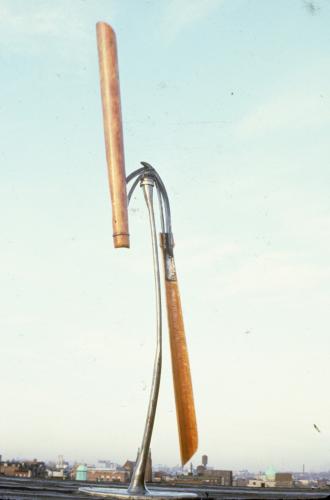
column 256, row 483
column 113, row 473
column 60, row 470
column 104, row 474
column 283, row 480
column 215, row 476
column 26, row 469
column 56, row 474
column 270, row 473
column 269, row 477
column 240, row 482
column 81, row 472
column 13, row 470
column 162, row 476
column 323, row 483
column 200, row 470
column 302, row 483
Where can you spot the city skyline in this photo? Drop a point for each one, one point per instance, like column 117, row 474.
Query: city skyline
column 188, row 467
column 229, row 100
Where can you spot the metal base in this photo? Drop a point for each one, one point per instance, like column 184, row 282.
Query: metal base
column 124, row 494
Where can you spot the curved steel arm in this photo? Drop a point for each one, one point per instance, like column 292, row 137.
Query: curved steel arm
column 165, row 210
column 137, row 485
column 148, row 177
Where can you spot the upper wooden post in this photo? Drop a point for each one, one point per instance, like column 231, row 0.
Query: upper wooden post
column 113, row 131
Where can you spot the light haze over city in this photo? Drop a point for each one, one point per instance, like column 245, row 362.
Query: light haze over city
column 229, row 101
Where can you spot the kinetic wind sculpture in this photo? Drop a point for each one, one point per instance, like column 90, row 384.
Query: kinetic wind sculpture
column 148, row 179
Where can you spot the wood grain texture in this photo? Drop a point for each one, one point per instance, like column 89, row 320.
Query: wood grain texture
column 184, row 399
column 113, row 131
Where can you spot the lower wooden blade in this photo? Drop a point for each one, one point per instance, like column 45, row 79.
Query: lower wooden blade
column 184, row 399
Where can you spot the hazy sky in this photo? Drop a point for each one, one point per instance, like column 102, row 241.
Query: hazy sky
column 229, row 100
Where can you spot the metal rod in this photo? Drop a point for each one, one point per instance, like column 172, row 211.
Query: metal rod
column 137, row 485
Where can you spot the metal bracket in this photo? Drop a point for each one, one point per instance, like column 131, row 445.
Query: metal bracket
column 167, row 244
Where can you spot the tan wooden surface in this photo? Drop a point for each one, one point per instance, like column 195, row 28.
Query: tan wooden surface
column 184, row 399
column 113, row 131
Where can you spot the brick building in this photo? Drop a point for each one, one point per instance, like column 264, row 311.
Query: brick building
column 283, row 480
column 104, row 474
column 26, row 469
column 13, row 470
column 213, row 476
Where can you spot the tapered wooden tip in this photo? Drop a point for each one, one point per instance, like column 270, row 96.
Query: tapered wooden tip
column 183, row 390
column 113, row 131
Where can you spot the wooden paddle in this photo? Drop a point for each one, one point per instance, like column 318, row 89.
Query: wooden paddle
column 184, row 398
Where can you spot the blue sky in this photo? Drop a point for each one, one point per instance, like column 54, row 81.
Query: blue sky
column 230, row 102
